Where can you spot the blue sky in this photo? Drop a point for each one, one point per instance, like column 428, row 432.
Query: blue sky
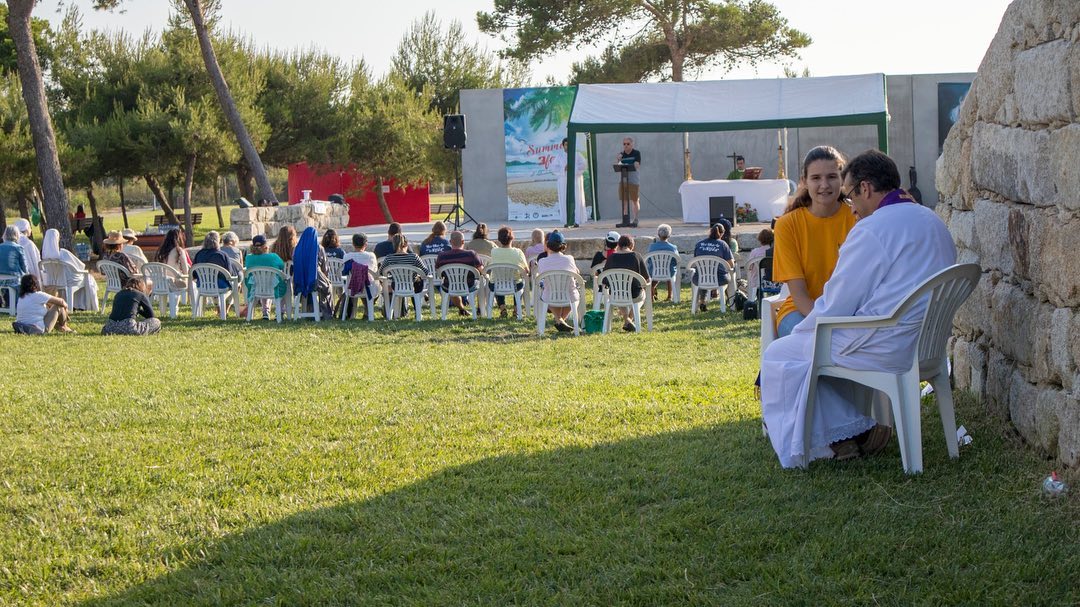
column 850, row 36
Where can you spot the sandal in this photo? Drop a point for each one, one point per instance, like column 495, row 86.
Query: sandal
column 845, row 450
column 874, row 440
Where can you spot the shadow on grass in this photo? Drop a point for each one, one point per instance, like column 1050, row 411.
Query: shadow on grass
column 701, row 517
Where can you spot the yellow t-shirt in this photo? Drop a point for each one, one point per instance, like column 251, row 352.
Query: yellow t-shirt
column 807, row 247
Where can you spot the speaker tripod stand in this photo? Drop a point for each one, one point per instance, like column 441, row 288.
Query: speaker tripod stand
column 458, row 210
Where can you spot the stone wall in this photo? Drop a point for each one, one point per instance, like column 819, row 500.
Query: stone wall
column 269, row 220
column 1009, row 182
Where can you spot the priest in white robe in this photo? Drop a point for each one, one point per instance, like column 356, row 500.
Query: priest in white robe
column 895, row 246
column 30, row 249
column 558, row 167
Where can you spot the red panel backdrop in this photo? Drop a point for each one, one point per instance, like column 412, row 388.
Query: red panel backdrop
column 411, row 205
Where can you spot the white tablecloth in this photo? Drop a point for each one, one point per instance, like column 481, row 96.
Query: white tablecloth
column 767, row 196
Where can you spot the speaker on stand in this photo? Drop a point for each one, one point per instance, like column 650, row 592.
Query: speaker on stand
column 454, row 139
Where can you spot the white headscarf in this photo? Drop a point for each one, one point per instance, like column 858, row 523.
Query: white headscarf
column 50, row 249
column 30, row 249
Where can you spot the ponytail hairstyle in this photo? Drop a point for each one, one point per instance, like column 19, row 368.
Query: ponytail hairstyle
column 821, row 152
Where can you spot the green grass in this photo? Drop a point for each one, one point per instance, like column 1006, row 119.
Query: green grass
column 470, row 463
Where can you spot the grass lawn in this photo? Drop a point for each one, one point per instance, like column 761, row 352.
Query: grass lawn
column 470, row 463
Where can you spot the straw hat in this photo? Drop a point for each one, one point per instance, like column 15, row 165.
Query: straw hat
column 129, row 234
column 115, row 238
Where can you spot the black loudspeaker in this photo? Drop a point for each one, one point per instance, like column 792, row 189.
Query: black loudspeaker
column 243, row 203
column 336, row 199
column 454, row 131
column 721, row 206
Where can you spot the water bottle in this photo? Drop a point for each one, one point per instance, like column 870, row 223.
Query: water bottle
column 1053, row 486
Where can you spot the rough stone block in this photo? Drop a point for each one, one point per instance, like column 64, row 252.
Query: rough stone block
column 1014, row 162
column 973, row 317
column 1023, row 399
column 977, row 360
column 961, row 364
column 992, row 235
column 1063, row 337
column 1065, row 147
column 1013, row 322
column 1049, row 405
column 1042, row 367
column 999, row 373
column 962, row 227
column 1056, row 269
column 1042, row 86
column 243, row 231
column 1069, row 435
column 995, row 77
column 1074, row 66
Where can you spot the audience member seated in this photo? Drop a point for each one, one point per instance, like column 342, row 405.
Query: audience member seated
column 331, row 244
column 12, row 262
column 663, row 233
column 611, row 241
column 556, row 259
column 30, row 250
column 480, row 243
column 625, row 258
column 134, row 253
column 311, row 274
column 436, row 241
column 229, row 242
column 285, row 243
column 765, row 242
column 211, row 253
column 536, row 243
column 507, row 253
column 128, row 305
column 38, row 312
column 402, row 256
column 727, row 237
column 173, row 254
column 360, row 254
column 457, row 253
column 386, row 247
column 714, row 245
column 259, row 256
column 809, row 234
column 85, row 297
column 113, row 246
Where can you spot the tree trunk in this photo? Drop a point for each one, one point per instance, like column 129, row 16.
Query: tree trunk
column 217, row 205
column 123, row 207
column 243, row 182
column 382, row 200
column 41, row 128
column 166, row 207
column 189, row 181
column 228, row 106
column 95, row 222
column 24, row 206
column 3, row 218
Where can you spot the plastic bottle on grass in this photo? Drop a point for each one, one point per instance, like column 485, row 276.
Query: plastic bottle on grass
column 1053, row 486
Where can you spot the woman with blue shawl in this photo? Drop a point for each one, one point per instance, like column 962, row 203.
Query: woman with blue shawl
column 311, row 273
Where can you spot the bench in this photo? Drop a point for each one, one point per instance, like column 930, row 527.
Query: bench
column 442, row 208
column 196, row 219
column 78, row 225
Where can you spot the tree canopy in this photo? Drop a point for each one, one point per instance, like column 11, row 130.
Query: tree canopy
column 645, row 39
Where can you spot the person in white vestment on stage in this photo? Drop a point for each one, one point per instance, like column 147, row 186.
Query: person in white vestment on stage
column 558, row 167
column 895, row 246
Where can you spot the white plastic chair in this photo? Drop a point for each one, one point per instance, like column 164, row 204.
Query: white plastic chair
column 429, row 283
column 12, row 294
column 64, row 277
column 618, row 293
column 456, row 276
column 659, row 264
column 943, row 293
column 485, row 260
column 115, row 275
column 163, row 288
column 597, row 292
column 704, row 270
column 335, row 267
column 530, row 287
column 347, row 297
column 402, row 277
column 559, row 286
column 503, row 279
column 204, row 285
column 263, row 285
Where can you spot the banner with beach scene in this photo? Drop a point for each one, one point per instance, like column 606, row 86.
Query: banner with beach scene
column 535, row 125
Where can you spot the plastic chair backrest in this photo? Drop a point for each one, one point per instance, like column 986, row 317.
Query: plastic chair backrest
column 662, row 265
column 429, row 263
column 457, row 278
column 58, row 273
column 161, row 276
column 336, row 268
column 947, row 291
column 559, row 286
column 503, row 278
column 619, row 285
column 264, row 282
column 485, row 260
column 206, row 276
column 707, row 268
column 402, row 275
column 115, row 275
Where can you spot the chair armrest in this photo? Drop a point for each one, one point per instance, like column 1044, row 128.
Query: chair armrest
column 855, row 322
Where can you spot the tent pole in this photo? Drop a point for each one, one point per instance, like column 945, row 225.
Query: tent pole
column 571, row 176
column 592, row 181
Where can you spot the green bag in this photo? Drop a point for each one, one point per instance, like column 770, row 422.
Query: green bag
column 594, row 321
column 35, row 216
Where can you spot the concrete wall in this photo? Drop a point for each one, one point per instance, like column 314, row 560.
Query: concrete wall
column 913, row 141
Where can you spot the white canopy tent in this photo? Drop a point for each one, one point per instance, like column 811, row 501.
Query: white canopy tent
column 725, row 105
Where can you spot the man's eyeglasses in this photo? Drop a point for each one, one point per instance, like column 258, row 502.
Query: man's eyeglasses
column 846, row 198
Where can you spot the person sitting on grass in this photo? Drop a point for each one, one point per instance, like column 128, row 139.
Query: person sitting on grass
column 457, row 253
column 663, row 233
column 128, row 305
column 259, row 256
column 480, row 243
column 625, row 258
column 38, row 312
column 714, row 245
column 331, row 244
column 556, row 259
column 436, row 241
column 229, row 240
column 507, row 253
column 12, row 263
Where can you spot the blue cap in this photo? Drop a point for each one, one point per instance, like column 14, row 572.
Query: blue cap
column 258, row 239
column 555, row 239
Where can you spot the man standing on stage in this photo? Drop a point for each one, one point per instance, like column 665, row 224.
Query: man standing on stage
column 631, row 156
column 740, row 169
